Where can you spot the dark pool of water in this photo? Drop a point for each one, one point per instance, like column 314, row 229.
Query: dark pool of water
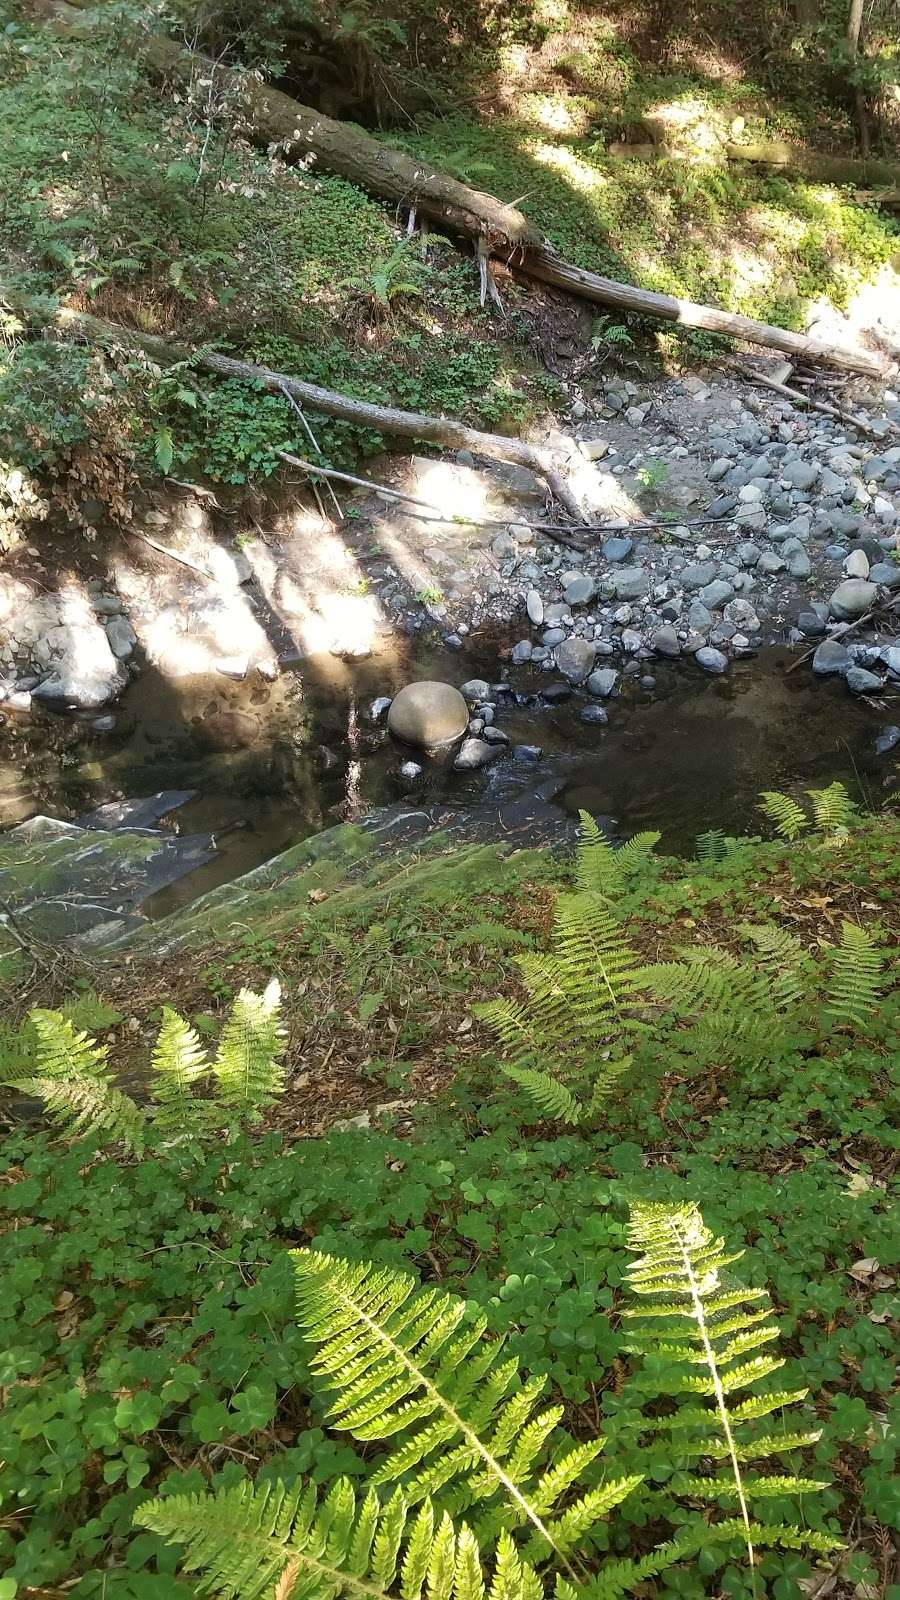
column 273, row 763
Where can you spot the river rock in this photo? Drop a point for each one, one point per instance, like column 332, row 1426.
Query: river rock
column 832, row 659
column 857, row 564
column 475, row 753
column 697, row 574
column 742, row 615
column 886, row 573
column 711, row 660
column 811, row 624
column 888, row 737
column 602, row 682
column 534, row 606
column 716, row 594
column 631, row 583
column 852, row 598
column 769, row 563
column 594, row 714
column 861, row 681
column 580, row 592
column 431, row 713
column 521, row 652
column 475, row 689
column 619, row 549
column 800, row 474
column 574, row 658
column 665, row 642
column 378, row 707
column 699, row 617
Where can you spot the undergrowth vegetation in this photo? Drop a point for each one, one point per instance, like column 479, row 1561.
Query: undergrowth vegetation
column 175, row 1414
column 150, row 208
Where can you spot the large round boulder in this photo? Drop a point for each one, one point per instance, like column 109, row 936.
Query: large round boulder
column 428, row 713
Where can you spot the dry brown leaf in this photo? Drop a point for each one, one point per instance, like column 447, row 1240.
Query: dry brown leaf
column 864, row 1269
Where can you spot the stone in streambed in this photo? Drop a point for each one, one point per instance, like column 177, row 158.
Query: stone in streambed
column 574, row 658
column 430, row 713
column 711, row 660
column 832, row 659
column 888, row 738
column 475, row 753
column 852, row 598
column 861, row 681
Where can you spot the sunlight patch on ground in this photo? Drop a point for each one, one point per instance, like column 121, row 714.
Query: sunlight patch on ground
column 316, row 590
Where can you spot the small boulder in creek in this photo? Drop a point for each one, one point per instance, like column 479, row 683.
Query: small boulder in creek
column 574, row 658
column 832, row 659
column 475, row 753
column 852, row 598
column 888, row 738
column 861, row 681
column 429, row 713
column 711, row 660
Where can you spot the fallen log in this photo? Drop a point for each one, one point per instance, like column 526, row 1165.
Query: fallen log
column 299, row 132
column 444, row 431
column 860, row 171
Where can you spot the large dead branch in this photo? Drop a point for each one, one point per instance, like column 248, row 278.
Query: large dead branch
column 860, row 171
column 443, row 431
column 274, row 119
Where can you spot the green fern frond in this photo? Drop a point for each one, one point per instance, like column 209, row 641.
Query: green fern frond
column 69, row 1072
column 178, row 1062
column 246, row 1063
column 409, row 1365
column 604, row 869
column 783, row 960
column 788, row 819
column 834, row 811
column 80, row 1106
column 712, row 847
column 253, row 1541
column 491, row 936
column 680, row 1263
column 856, row 978
column 62, row 1050
column 550, row 1097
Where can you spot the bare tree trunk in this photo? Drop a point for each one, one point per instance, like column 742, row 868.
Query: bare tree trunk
column 444, row 431
column 854, row 28
column 831, row 169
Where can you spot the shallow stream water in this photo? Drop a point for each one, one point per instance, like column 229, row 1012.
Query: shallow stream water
column 272, row 763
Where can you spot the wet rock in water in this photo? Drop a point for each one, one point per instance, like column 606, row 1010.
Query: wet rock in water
column 492, row 735
column 888, row 738
column 534, row 606
column 648, row 682
column 475, row 689
column 602, row 682
column 410, row 771
column 521, row 652
column 631, row 583
column 528, row 754
column 618, row 549
column 574, row 658
column 475, row 753
column 378, row 707
column 431, row 713
column 832, row 659
column 122, row 637
column 596, row 714
column 17, row 700
column 885, row 573
column 711, row 660
column 555, row 692
column 852, row 598
column 104, row 724
column 861, row 681
column 665, row 642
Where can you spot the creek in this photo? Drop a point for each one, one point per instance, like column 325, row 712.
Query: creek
column 273, row 762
